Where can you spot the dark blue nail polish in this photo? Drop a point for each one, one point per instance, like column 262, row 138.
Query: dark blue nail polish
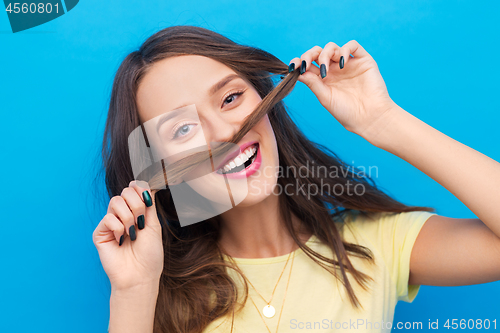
column 121, row 240
column 147, row 199
column 322, row 70
column 303, row 67
column 131, row 231
column 341, row 62
column 291, row 67
column 140, row 222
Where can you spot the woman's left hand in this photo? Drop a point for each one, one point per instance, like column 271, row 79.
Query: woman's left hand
column 353, row 90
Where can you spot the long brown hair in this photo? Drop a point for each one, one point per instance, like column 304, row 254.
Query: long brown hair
column 195, row 287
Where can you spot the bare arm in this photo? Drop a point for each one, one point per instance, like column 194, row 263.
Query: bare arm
column 448, row 251
column 133, row 310
column 133, row 260
column 454, row 252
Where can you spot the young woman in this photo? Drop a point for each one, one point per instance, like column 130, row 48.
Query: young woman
column 287, row 256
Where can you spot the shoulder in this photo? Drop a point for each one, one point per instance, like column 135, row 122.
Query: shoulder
column 378, row 228
column 371, row 221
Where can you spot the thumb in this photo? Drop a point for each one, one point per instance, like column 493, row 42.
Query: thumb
column 317, row 86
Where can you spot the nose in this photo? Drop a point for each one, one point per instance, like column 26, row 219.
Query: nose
column 218, row 128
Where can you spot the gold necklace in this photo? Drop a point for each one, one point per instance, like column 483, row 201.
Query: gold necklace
column 269, row 310
column 282, row 305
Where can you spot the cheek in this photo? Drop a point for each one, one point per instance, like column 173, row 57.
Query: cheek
column 268, row 127
column 267, row 134
column 264, row 129
column 252, row 101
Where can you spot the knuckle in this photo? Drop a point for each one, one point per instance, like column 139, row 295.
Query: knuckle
column 108, row 218
column 126, row 217
column 129, row 217
column 126, row 190
column 114, row 200
column 137, row 207
column 332, row 45
column 120, row 228
column 110, row 221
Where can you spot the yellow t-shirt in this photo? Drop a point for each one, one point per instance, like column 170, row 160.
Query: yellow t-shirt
column 315, row 299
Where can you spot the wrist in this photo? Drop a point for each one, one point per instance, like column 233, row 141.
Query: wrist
column 376, row 132
column 133, row 309
column 146, row 289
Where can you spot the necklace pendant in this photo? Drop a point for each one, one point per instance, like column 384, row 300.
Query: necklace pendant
column 269, row 311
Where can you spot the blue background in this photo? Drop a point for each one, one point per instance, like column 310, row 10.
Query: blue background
column 439, row 60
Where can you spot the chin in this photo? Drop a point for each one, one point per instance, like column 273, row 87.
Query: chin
column 258, row 191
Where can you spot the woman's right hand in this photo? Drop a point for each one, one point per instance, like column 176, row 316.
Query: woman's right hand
column 138, row 261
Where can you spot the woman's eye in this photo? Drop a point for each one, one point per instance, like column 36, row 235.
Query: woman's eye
column 183, row 130
column 231, row 98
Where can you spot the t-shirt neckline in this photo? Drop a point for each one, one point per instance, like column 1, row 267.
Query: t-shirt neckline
column 270, row 260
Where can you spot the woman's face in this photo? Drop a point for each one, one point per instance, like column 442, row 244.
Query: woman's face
column 193, row 101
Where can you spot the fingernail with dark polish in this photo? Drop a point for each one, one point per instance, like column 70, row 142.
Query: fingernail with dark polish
column 131, row 231
column 322, row 70
column 140, row 222
column 341, row 62
column 291, row 67
column 147, row 199
column 121, row 241
column 303, row 67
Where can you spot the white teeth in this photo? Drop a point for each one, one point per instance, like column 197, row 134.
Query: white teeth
column 240, row 159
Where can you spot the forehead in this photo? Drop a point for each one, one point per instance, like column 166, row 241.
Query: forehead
column 177, row 81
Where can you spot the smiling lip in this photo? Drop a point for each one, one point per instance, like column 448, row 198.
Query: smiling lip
column 250, row 170
column 235, row 153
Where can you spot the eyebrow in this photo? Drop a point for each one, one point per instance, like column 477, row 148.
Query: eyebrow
column 168, row 116
column 215, row 88
column 219, row 85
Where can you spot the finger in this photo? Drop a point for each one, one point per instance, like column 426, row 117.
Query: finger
column 110, row 223
column 148, row 198
column 307, row 58
column 294, row 64
column 351, row 47
column 135, row 204
column 119, row 208
column 330, row 53
column 317, row 86
column 144, row 191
